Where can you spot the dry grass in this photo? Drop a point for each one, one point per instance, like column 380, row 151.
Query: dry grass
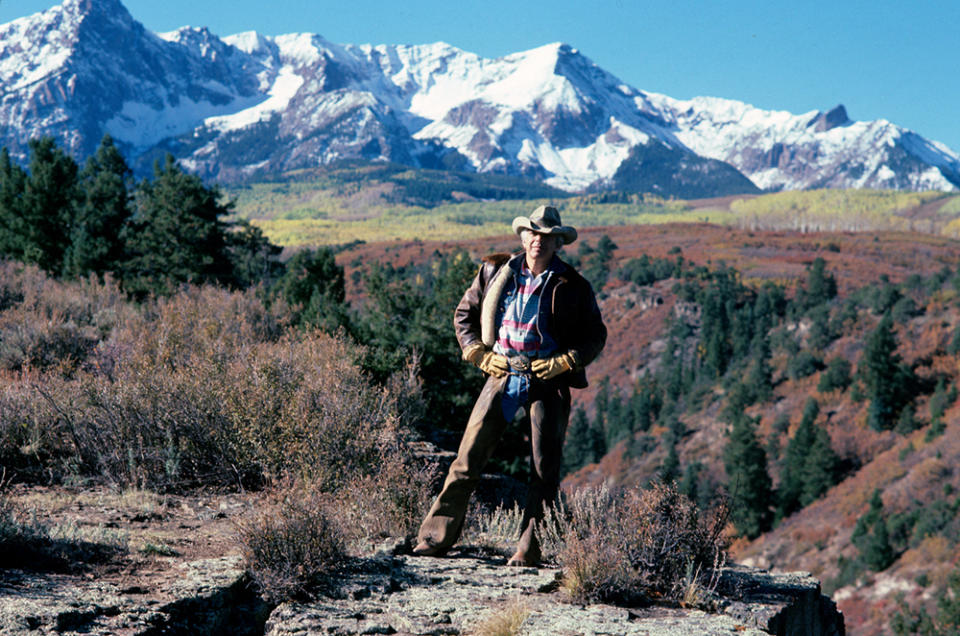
column 640, row 545
column 27, row 542
column 504, row 621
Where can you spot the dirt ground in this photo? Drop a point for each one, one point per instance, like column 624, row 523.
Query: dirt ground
column 136, row 538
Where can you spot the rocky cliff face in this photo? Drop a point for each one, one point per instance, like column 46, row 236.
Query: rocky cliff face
column 247, row 104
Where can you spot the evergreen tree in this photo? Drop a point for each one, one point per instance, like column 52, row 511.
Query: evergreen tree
column 790, row 490
column 580, row 445
column 49, row 205
column 821, row 332
column 102, row 212
column 836, row 376
column 872, row 537
column 821, row 285
column 408, row 317
column 750, row 489
column 596, row 261
column 176, row 235
column 314, row 287
column 714, row 332
column 13, row 181
column 888, row 381
column 577, row 447
column 760, row 375
column 642, row 408
column 690, row 482
column 670, row 467
column 253, row 257
column 820, row 468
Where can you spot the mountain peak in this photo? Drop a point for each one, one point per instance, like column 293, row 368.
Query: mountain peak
column 96, row 10
column 233, row 107
column 836, row 116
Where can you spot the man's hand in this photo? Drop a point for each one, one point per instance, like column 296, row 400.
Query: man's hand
column 487, row 361
column 553, row 366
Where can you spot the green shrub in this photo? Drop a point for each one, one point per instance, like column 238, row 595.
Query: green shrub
column 836, row 377
column 803, row 364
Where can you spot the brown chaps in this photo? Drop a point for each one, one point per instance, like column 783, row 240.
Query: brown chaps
column 548, row 406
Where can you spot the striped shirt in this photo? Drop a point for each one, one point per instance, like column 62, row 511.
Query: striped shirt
column 518, row 329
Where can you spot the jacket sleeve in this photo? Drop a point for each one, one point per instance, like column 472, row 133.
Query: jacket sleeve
column 466, row 317
column 591, row 336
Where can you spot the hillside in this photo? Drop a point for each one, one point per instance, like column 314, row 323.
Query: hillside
column 371, row 202
column 909, row 465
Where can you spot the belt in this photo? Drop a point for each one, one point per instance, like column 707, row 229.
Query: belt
column 519, row 365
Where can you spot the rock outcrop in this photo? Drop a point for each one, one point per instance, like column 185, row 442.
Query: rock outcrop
column 399, row 594
column 394, row 593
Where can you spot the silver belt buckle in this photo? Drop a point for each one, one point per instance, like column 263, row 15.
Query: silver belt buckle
column 520, row 363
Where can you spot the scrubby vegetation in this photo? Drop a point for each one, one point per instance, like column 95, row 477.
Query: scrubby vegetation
column 138, row 357
column 640, row 545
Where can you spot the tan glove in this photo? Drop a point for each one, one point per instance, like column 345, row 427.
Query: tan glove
column 553, row 366
column 487, row 361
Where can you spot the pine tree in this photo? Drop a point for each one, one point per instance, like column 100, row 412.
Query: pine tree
column 760, row 375
column 642, row 412
column 314, row 286
column 578, row 449
column 821, row 286
column 253, row 257
column 749, row 483
column 49, row 205
column 714, row 332
column 176, row 235
column 690, row 483
column 820, row 468
column 103, row 210
column 670, row 467
column 872, row 537
column 791, row 487
column 821, row 333
column 887, row 380
column 13, row 181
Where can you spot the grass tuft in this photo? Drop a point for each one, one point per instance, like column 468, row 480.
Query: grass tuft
column 504, row 621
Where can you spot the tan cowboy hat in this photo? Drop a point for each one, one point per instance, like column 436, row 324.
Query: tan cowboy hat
column 545, row 220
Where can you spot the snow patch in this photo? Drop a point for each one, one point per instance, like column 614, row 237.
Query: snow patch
column 284, row 88
column 142, row 126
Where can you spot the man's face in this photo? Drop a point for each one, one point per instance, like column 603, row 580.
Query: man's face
column 539, row 246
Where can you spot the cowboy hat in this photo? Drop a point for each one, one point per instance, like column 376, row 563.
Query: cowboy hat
column 545, row 220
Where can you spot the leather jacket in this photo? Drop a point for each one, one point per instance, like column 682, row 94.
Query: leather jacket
column 568, row 307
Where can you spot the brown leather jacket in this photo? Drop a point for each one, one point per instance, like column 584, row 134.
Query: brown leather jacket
column 567, row 306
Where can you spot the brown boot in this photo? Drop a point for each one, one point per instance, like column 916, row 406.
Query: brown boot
column 425, row 549
column 524, row 559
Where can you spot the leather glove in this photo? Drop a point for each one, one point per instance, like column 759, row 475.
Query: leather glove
column 546, row 368
column 487, row 361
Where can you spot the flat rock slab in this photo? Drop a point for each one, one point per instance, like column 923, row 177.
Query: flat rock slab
column 205, row 593
column 454, row 595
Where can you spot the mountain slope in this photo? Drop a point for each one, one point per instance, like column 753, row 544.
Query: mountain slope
column 248, row 104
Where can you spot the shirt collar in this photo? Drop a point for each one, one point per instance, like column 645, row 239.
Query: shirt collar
column 556, row 266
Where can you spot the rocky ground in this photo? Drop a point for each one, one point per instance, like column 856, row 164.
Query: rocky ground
column 174, row 568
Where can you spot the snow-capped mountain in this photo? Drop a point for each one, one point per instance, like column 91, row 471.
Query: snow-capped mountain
column 247, row 104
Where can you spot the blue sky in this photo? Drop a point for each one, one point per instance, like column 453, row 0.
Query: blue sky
column 887, row 59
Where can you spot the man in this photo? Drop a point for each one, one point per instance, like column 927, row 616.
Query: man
column 531, row 323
